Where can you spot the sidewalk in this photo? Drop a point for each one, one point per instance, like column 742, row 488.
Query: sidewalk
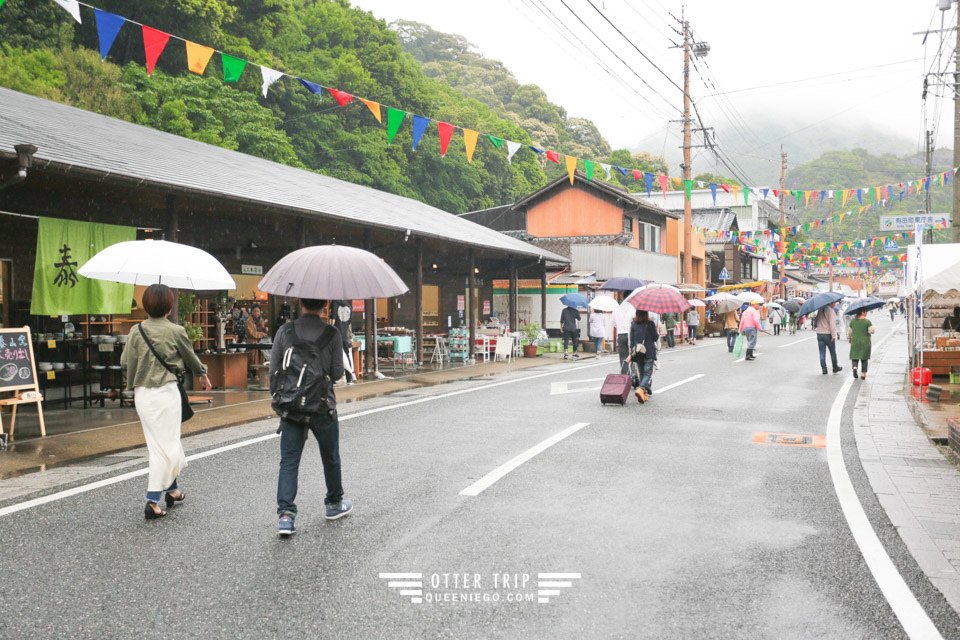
column 42, row 454
column 917, row 487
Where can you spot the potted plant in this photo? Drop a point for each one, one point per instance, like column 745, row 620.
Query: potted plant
column 531, row 332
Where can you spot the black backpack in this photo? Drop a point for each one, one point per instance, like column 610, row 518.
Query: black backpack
column 302, row 386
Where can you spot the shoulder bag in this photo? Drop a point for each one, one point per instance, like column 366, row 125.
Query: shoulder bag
column 186, row 411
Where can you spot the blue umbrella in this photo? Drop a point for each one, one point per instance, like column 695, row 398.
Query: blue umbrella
column 575, row 300
column 624, row 283
column 819, row 301
column 864, row 304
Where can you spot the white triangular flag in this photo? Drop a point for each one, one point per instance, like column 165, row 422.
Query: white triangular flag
column 606, row 169
column 269, row 77
column 512, row 148
column 72, row 7
column 700, row 184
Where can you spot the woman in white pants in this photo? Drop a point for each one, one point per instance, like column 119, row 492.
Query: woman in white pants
column 156, row 395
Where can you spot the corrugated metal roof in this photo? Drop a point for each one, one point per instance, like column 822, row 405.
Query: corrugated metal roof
column 73, row 138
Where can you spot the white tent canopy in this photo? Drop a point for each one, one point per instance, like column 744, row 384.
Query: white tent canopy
column 940, row 270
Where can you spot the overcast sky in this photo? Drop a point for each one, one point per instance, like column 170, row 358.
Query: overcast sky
column 754, row 43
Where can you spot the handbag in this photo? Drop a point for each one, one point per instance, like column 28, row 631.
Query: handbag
column 186, row 411
column 738, row 346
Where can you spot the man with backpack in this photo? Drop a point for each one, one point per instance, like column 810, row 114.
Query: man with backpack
column 305, row 361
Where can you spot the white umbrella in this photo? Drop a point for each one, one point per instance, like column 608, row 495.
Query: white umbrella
column 604, row 303
column 697, row 303
column 146, row 262
column 725, row 302
column 749, row 296
column 774, row 305
column 332, row 272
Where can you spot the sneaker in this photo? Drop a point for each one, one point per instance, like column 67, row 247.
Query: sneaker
column 825, row 372
column 837, row 369
column 577, row 356
column 855, row 374
column 565, row 356
column 285, row 526
column 641, row 394
column 338, row 510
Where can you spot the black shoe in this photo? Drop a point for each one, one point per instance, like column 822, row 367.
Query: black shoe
column 149, row 513
column 837, row 369
column 855, row 374
column 172, row 501
column 825, row 372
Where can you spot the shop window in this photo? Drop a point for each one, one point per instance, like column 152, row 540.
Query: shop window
column 627, row 224
column 649, row 237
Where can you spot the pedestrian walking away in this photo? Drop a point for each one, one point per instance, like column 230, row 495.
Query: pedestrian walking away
column 622, row 319
column 341, row 314
column 792, row 323
column 569, row 326
column 825, row 326
column 643, row 351
column 693, row 325
column 750, row 327
column 731, row 327
column 598, row 330
column 157, row 351
column 670, row 326
column 859, row 333
column 840, row 320
column 775, row 317
column 893, row 312
column 305, row 360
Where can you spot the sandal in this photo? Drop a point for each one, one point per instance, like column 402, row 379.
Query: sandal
column 151, row 513
column 172, row 501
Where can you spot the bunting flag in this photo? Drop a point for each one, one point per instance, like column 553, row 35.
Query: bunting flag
column 470, row 142
column 198, row 57
column 663, row 186
column 648, row 179
column 495, row 141
column 233, row 68
column 571, row 166
column 512, row 148
column 108, row 26
column 1, row 2
column 269, row 77
column 445, row 129
column 736, row 192
column 342, row 97
column 553, row 156
column 860, row 196
column 636, row 174
column 606, row 169
column 537, row 150
column 713, row 192
column 588, row 167
column 154, row 42
column 374, row 108
column 70, row 6
column 621, row 170
column 420, row 125
column 687, row 189
column 394, row 120
column 765, row 191
column 312, row 87
column 843, row 198
column 746, row 195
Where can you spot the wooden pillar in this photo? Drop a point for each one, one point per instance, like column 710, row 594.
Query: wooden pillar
column 543, row 296
column 171, row 231
column 513, row 295
column 369, row 360
column 418, row 300
column 471, row 306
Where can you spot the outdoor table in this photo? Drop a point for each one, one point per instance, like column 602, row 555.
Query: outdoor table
column 225, row 370
column 940, row 362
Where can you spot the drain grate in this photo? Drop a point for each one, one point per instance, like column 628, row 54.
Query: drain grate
column 790, row 439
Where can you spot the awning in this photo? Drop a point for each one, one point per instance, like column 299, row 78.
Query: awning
column 742, row 285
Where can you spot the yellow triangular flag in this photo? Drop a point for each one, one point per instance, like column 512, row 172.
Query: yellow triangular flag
column 843, row 198
column 470, row 142
column 736, row 193
column 571, row 167
column 374, row 109
column 197, row 57
column 806, row 196
column 677, row 182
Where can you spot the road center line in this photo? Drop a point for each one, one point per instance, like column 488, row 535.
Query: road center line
column 677, row 384
column 99, row 484
column 486, row 481
column 915, row 621
column 790, row 344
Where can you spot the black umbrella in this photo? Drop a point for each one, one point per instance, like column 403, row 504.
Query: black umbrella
column 624, row 283
column 792, row 305
column 819, row 301
column 864, row 304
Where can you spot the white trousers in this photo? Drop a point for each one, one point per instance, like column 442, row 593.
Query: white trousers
column 159, row 411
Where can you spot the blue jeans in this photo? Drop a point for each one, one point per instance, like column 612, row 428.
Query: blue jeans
column 731, row 339
column 598, row 342
column 825, row 341
column 750, row 335
column 671, row 339
column 293, row 435
column 154, row 496
column 646, row 373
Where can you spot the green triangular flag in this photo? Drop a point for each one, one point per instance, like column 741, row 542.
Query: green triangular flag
column 746, row 195
column 799, row 195
column 687, row 188
column 495, row 141
column 394, row 120
column 232, row 67
column 1, row 2
column 589, row 166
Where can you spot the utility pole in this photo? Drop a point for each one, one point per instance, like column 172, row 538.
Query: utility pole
column 928, row 233
column 783, row 223
column 831, row 243
column 687, row 168
column 956, row 135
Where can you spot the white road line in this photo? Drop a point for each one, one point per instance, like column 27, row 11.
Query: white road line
column 790, row 344
column 560, row 388
column 677, row 384
column 99, row 484
column 915, row 621
column 486, row 481
column 744, row 358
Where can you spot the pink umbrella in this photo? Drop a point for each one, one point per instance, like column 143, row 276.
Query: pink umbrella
column 696, row 303
column 663, row 299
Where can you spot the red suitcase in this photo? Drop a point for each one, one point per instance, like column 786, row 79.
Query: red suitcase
column 616, row 388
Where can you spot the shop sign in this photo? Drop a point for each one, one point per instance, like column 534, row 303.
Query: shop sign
column 357, row 306
column 909, row 221
column 486, row 307
column 251, row 269
column 461, row 303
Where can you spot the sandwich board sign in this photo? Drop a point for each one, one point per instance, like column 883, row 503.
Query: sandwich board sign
column 18, row 375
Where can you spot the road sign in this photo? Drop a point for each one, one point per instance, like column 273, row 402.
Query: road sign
column 890, row 244
column 784, row 280
column 724, row 274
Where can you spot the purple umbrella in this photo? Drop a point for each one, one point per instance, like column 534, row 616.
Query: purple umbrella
column 625, row 283
column 332, row 272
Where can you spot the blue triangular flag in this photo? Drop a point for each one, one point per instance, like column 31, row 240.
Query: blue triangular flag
column 622, row 170
column 108, row 26
column 860, row 196
column 537, row 150
column 419, row 127
column 312, row 87
column 648, row 179
column 926, row 184
column 713, row 192
column 765, row 191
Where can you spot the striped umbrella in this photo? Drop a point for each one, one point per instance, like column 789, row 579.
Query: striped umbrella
column 662, row 299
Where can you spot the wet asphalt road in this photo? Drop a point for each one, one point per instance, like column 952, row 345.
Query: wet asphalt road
column 678, row 524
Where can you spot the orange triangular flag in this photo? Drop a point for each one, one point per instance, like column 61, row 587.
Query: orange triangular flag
column 374, row 109
column 571, row 167
column 736, row 192
column 470, row 142
column 197, row 57
column 806, row 196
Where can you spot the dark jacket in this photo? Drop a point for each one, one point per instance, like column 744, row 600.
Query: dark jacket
column 568, row 319
column 309, row 327
column 646, row 333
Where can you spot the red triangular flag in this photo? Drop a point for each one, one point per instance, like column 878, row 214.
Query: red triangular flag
column 446, row 131
column 553, row 156
column 776, row 193
column 153, row 43
column 725, row 187
column 343, row 98
column 663, row 185
column 637, row 174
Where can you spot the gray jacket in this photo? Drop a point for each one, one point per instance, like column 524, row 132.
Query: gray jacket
column 309, row 327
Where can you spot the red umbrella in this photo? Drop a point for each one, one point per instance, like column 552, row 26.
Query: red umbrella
column 659, row 300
